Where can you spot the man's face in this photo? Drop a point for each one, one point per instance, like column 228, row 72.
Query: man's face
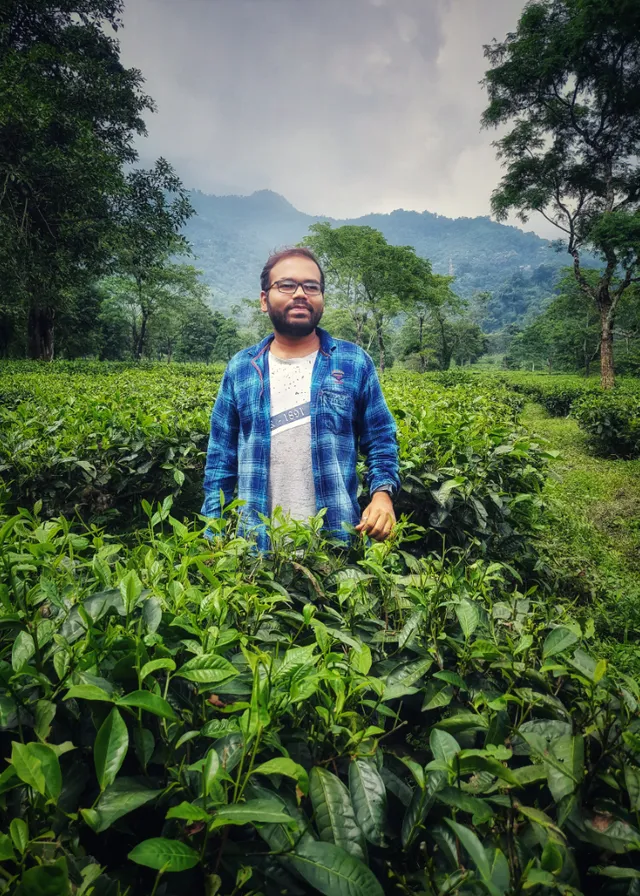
column 294, row 315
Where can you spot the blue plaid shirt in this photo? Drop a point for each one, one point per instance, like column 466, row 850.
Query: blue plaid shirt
column 348, row 414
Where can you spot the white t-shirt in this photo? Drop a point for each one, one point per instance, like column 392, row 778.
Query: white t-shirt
column 290, row 469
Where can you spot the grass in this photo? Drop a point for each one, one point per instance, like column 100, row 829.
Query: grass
column 594, row 538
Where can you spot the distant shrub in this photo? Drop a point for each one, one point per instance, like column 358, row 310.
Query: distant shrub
column 558, row 400
column 612, row 422
column 456, row 376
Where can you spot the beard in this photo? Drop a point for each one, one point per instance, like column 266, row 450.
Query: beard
column 292, row 327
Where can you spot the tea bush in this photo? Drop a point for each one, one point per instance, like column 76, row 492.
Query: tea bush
column 97, row 439
column 558, row 392
column 406, row 718
column 612, row 422
column 470, row 473
column 182, row 717
column 555, row 393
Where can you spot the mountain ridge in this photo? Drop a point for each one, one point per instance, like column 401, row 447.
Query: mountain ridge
column 232, row 236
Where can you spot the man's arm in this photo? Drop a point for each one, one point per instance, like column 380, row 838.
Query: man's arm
column 221, row 467
column 380, row 448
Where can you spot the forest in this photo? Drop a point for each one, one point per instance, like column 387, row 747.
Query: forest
column 454, row 710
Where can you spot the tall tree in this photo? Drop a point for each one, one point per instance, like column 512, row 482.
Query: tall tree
column 159, row 299
column 430, row 301
column 566, row 335
column 69, row 112
column 567, row 83
column 371, row 279
column 148, row 235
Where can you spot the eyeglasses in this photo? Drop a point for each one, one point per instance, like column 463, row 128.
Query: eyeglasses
column 290, row 287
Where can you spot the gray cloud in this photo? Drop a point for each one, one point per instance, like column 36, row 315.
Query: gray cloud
column 343, row 106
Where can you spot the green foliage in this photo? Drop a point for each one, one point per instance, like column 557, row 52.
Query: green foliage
column 590, row 544
column 69, row 112
column 561, row 393
column 157, row 307
column 566, row 83
column 612, row 422
column 417, row 716
column 469, row 472
column 98, row 438
column 499, row 727
column 566, row 336
column 372, row 280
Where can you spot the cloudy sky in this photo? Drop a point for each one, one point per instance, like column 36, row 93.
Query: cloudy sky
column 342, row 106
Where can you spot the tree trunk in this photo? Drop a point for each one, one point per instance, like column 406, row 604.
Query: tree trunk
column 6, row 334
column 447, row 348
column 141, row 338
column 607, row 304
column 139, row 344
column 380, row 343
column 40, row 333
column 607, row 375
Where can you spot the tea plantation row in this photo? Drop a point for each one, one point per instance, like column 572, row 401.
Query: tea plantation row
column 417, row 717
column 610, row 419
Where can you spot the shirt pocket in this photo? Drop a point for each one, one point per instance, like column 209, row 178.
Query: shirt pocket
column 338, row 409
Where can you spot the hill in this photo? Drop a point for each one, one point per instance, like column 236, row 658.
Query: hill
column 233, row 235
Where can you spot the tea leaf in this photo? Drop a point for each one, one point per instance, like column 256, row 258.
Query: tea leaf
column 557, row 641
column 46, row 880
column 360, row 659
column 144, row 743
column 38, row 766
column 408, row 674
column 152, row 615
column 418, row 809
column 468, row 617
column 397, row 786
column 19, row 834
column 188, row 812
column 333, row 871
column 334, row 813
column 110, row 748
column 474, row 847
column 130, row 589
column 123, row 796
column 287, row 767
column 480, row 810
column 23, row 650
column 616, row 872
column 443, row 745
column 210, row 770
column 6, row 848
column 164, row 855
column 152, row 703
column 253, row 811
column 208, row 669
column 155, row 665
column 87, row 692
column 632, row 782
column 369, row 799
column 45, row 714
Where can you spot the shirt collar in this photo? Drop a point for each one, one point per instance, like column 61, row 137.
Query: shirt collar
column 327, row 344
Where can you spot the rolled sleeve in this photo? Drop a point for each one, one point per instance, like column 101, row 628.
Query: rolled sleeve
column 378, row 441
column 221, row 467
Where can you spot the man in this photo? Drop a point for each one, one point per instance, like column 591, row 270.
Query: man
column 292, row 413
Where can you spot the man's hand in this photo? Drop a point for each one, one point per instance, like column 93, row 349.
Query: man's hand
column 378, row 518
